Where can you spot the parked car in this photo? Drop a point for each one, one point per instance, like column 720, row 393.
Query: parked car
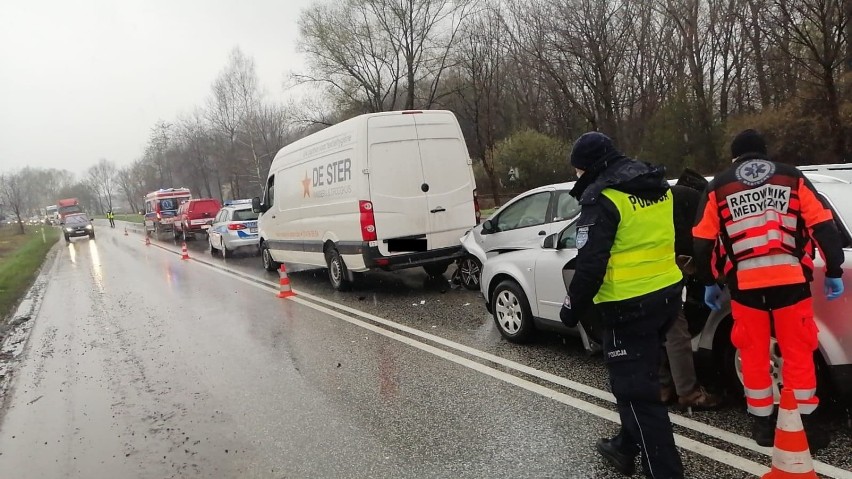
column 386, row 190
column 519, row 224
column 234, row 227
column 524, row 290
column 194, row 216
column 77, row 224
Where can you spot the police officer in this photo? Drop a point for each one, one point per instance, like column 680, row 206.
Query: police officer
column 111, row 218
column 765, row 214
column 626, row 266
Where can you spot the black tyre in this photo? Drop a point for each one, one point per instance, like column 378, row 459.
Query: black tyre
column 67, row 239
column 512, row 313
column 725, row 358
column 269, row 264
column 175, row 233
column 469, row 271
column 337, row 273
column 436, row 269
column 226, row 253
column 213, row 251
column 91, row 236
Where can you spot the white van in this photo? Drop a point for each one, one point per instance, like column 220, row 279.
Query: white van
column 384, row 190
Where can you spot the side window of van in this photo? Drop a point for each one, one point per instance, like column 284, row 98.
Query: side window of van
column 269, row 200
column 529, row 211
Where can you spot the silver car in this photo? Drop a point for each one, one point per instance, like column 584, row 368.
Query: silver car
column 519, row 224
column 235, row 227
column 524, row 290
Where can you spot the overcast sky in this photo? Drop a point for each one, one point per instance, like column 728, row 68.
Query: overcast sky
column 82, row 80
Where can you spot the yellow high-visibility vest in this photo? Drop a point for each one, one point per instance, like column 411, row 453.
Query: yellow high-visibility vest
column 642, row 258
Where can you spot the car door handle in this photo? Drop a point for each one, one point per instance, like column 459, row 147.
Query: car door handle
column 439, row 209
column 273, row 216
column 542, row 233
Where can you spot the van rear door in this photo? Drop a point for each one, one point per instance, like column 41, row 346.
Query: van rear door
column 400, row 206
column 447, row 172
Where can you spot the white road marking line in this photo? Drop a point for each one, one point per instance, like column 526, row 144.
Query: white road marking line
column 694, row 446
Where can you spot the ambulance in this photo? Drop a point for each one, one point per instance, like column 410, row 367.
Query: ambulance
column 386, row 190
column 161, row 209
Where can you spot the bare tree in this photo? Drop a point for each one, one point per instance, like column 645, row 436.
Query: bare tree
column 102, row 177
column 381, row 53
column 14, row 191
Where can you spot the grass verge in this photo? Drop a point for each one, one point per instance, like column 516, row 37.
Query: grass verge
column 20, row 258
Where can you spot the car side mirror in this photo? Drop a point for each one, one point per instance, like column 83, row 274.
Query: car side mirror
column 256, row 207
column 488, row 227
column 549, row 242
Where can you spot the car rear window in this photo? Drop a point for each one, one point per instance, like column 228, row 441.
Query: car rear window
column 245, row 215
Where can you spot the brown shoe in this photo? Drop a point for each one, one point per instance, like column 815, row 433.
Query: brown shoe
column 699, row 399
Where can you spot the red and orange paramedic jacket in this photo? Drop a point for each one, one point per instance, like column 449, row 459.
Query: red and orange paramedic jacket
column 765, row 214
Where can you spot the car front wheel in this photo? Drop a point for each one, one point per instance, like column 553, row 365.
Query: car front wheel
column 512, row 312
column 469, row 271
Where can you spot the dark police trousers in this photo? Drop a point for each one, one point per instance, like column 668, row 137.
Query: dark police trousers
column 634, row 332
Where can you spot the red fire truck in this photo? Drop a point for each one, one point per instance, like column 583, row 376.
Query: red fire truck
column 161, row 209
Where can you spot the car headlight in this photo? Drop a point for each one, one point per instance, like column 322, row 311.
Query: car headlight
column 88, row 227
column 69, row 229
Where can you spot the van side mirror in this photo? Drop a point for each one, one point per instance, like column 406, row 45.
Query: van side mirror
column 549, row 242
column 488, row 227
column 256, row 207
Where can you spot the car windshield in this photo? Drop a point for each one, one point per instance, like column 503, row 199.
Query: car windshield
column 76, row 220
column 245, row 215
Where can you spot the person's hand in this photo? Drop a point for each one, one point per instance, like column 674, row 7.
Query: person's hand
column 833, row 288
column 713, row 297
column 566, row 314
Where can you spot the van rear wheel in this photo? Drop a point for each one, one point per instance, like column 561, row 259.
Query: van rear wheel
column 337, row 273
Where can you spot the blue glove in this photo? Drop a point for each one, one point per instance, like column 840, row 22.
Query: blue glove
column 713, row 297
column 566, row 314
column 833, row 288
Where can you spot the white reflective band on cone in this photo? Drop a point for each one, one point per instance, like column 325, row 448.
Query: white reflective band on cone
column 789, row 421
column 807, row 408
column 792, row 462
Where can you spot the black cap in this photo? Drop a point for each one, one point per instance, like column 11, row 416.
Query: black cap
column 591, row 149
column 748, row 141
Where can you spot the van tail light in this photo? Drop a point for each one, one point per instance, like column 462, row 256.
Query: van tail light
column 476, row 209
column 236, row 226
column 159, row 215
column 368, row 221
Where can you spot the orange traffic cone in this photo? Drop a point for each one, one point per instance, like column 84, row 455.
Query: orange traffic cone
column 284, row 283
column 791, row 457
column 147, row 240
column 125, row 231
column 184, row 254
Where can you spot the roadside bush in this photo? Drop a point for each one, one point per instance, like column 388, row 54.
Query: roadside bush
column 538, row 159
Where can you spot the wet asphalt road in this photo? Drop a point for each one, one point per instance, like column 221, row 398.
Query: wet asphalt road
column 143, row 365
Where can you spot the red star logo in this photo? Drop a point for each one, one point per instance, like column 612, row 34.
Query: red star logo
column 306, row 186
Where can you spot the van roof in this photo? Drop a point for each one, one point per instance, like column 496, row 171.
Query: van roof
column 338, row 129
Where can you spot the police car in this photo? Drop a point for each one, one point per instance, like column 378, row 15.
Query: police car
column 234, row 227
